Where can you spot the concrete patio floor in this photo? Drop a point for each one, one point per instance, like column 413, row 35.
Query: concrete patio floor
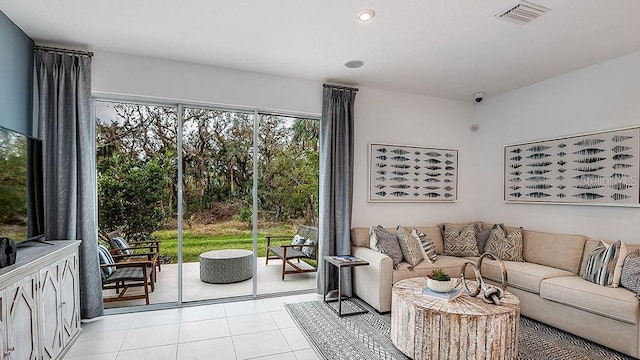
column 166, row 291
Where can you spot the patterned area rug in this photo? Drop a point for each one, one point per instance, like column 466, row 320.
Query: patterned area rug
column 367, row 336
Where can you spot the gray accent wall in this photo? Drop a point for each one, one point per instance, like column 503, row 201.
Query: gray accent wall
column 16, row 77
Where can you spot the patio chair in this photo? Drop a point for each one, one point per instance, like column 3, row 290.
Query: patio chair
column 306, row 250
column 121, row 276
column 120, row 246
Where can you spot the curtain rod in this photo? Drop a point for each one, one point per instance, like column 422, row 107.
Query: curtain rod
column 339, row 87
column 63, row 51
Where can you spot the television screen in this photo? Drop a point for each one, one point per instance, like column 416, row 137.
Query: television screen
column 21, row 186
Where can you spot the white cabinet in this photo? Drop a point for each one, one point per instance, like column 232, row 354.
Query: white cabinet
column 39, row 302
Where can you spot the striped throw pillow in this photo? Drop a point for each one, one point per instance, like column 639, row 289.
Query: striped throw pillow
column 630, row 278
column 409, row 245
column 601, row 263
column 122, row 244
column 105, row 258
column 428, row 246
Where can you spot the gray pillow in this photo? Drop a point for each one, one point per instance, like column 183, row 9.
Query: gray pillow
column 387, row 243
column 481, row 238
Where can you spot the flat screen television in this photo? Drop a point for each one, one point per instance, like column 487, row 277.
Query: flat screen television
column 21, row 187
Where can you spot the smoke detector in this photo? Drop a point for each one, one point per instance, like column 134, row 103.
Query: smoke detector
column 523, row 13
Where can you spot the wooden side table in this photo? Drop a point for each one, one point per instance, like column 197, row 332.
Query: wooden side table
column 423, row 327
column 340, row 262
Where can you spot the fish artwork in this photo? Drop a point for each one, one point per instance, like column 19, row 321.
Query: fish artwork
column 538, row 156
column 449, row 168
column 398, row 179
column 618, row 196
column 538, row 195
column 516, row 194
column 433, row 161
column 447, row 195
column 448, row 162
column 514, row 187
column 382, row 150
column 448, row 188
column 538, row 171
column 539, row 186
column 620, row 138
column 432, row 195
column 400, row 166
column 433, row 167
column 621, row 166
column 449, row 155
column 588, row 196
column 516, row 158
column 432, row 187
column 515, row 166
column 619, row 148
column 621, row 157
column 381, row 178
column 516, row 151
column 432, row 174
column 381, row 193
column 399, row 152
column 588, row 168
column 381, row 172
column 382, row 157
column 562, row 145
column 588, row 151
column 431, row 181
column 381, row 165
column 399, row 172
column 590, row 160
column 400, row 186
column 538, row 148
column 380, row 186
column 399, row 193
column 540, row 164
column 589, row 142
column 537, row 178
column 433, row 154
column 400, row 158
column 447, row 181
column 562, row 154
column 620, row 186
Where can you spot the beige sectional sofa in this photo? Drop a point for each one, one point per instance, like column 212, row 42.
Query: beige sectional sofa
column 549, row 285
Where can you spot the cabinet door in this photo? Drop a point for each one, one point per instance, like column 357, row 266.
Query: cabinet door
column 50, row 324
column 22, row 323
column 70, row 298
column 3, row 326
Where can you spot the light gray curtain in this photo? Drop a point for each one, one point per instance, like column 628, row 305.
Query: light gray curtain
column 64, row 118
column 336, row 182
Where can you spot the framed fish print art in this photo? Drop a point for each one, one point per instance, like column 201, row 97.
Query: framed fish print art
column 401, row 173
column 592, row 169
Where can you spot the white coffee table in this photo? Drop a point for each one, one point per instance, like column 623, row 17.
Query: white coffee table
column 423, row 327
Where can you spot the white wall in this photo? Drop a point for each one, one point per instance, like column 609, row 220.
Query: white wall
column 381, row 116
column 600, row 97
column 400, row 118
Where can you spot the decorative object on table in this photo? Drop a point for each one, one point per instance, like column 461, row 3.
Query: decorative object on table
column 490, row 294
column 446, row 296
column 8, row 252
column 438, row 281
column 400, row 173
column 597, row 168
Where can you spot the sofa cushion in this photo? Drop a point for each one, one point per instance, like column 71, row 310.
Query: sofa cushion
column 521, row 275
column 460, row 242
column 410, row 246
column 615, row 303
column 387, row 243
column 562, row 251
column 482, row 236
column 602, row 263
column 451, row 265
column 630, row 278
column 436, row 235
column 505, row 245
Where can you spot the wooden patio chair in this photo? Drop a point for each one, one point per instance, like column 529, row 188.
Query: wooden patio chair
column 287, row 253
column 142, row 248
column 121, row 276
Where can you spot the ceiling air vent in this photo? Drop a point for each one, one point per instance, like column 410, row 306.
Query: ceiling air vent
column 523, row 13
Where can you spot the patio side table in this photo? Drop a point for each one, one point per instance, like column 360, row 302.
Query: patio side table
column 340, row 262
column 226, row 266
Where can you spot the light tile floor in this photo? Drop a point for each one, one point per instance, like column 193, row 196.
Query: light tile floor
column 255, row 329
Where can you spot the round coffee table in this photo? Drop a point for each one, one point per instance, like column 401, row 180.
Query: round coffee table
column 226, row 266
column 464, row 328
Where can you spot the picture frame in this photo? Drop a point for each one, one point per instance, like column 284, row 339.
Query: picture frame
column 598, row 168
column 409, row 173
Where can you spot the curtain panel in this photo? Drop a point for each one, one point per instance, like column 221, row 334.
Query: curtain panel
column 336, row 183
column 63, row 101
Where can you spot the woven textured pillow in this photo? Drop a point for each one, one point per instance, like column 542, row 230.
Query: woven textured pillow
column 630, row 278
column 410, row 246
column 507, row 247
column 104, row 256
column 601, row 263
column 461, row 243
column 427, row 244
column 387, row 243
column 310, row 251
column 482, row 236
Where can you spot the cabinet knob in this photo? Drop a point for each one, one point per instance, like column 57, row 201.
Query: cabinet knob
column 9, row 351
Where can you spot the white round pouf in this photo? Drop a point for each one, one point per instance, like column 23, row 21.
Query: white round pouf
column 226, row 266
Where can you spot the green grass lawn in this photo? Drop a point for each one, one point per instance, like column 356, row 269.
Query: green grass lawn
column 224, row 235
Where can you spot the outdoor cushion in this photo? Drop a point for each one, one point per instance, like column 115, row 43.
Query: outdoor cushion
column 122, row 244
column 291, row 252
column 615, row 303
column 521, row 275
column 298, row 240
column 104, row 257
column 309, row 251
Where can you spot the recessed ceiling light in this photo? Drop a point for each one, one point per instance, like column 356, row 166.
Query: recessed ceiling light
column 354, row 64
column 365, row 15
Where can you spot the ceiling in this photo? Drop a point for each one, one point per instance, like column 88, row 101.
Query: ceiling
column 444, row 48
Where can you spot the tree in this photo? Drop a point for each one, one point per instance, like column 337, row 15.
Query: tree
column 130, row 195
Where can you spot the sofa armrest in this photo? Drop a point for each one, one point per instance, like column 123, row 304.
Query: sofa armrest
column 373, row 283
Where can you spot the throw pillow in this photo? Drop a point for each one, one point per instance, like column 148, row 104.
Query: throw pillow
column 461, row 243
column 630, row 278
column 617, row 273
column 482, row 236
column 507, row 247
column 387, row 243
column 121, row 244
column 410, row 246
column 601, row 263
column 427, row 244
column 310, row 251
column 298, row 240
column 104, row 256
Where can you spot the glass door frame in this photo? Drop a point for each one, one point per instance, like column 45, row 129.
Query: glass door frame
column 180, row 105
